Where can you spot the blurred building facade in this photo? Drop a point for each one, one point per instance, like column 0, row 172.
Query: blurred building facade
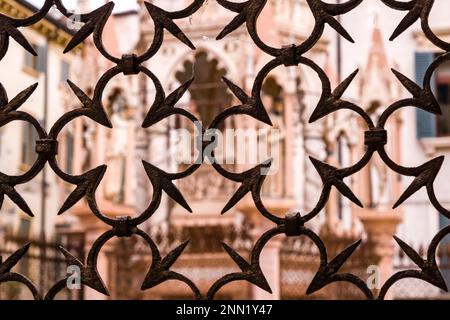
column 290, row 95
column 50, row 70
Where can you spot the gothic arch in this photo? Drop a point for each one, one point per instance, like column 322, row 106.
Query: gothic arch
column 213, row 52
column 208, row 94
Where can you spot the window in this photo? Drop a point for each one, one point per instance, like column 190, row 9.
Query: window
column 31, row 62
column 444, row 93
column 36, row 64
column 29, row 137
column 443, row 96
column 24, row 228
column 208, row 93
column 65, row 71
column 425, row 121
column 429, row 125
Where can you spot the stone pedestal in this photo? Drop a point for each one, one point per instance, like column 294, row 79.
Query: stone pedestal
column 270, row 255
column 380, row 228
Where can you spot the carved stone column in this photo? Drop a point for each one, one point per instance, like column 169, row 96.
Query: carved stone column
column 380, row 228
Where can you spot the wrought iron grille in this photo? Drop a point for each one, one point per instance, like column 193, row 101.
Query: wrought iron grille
column 43, row 263
column 292, row 225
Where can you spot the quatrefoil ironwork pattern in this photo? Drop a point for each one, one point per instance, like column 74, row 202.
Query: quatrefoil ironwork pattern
column 251, row 181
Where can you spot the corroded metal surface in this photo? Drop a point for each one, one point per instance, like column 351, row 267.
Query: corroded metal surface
column 251, row 181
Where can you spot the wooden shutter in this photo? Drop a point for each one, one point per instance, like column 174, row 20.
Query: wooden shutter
column 426, row 122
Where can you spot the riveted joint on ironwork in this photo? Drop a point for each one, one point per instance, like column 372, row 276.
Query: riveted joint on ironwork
column 289, row 55
column 123, row 227
column 375, row 138
column 129, row 64
column 47, row 146
column 293, row 224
